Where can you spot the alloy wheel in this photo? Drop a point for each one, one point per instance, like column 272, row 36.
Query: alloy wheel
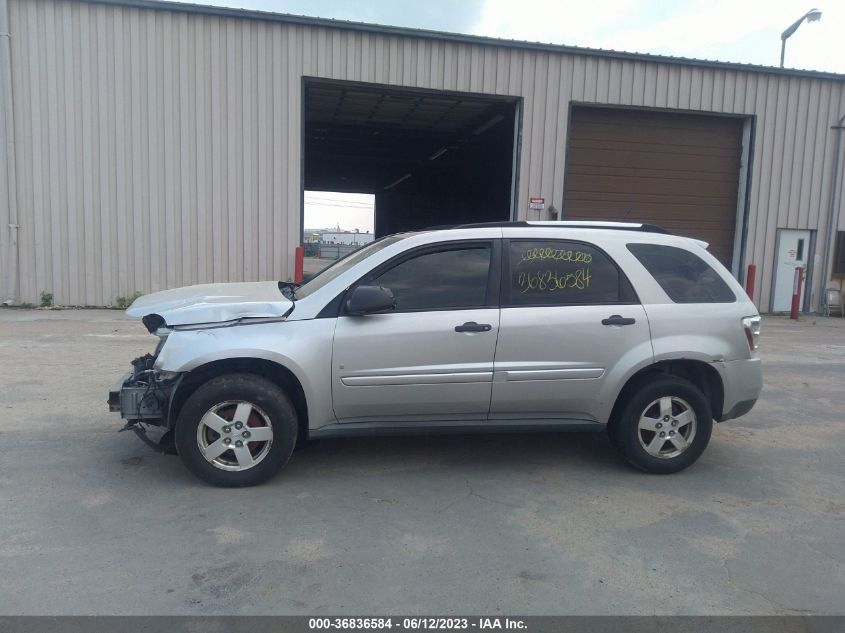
column 234, row 435
column 666, row 427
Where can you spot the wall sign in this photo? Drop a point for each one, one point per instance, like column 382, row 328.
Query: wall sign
column 536, row 204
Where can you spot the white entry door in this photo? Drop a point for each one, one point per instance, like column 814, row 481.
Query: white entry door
column 793, row 251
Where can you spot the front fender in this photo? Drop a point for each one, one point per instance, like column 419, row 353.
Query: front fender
column 302, row 347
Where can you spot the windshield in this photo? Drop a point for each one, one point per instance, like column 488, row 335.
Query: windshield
column 345, row 263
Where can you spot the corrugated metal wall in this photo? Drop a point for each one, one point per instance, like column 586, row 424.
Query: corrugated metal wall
column 8, row 198
column 156, row 148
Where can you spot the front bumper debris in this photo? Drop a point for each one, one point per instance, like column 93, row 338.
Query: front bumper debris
column 141, row 395
column 143, row 400
column 139, row 400
column 166, row 443
column 114, row 393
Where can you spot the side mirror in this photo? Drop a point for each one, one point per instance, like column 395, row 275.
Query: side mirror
column 369, row 300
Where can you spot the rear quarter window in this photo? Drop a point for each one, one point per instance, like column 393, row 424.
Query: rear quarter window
column 683, row 275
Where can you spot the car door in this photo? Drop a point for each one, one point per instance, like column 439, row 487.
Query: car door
column 432, row 357
column 570, row 321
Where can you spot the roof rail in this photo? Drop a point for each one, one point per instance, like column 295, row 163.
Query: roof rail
column 577, row 224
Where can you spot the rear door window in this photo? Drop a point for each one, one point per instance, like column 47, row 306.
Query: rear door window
column 683, row 275
column 560, row 272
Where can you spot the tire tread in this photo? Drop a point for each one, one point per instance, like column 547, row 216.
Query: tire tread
column 251, row 387
column 623, row 430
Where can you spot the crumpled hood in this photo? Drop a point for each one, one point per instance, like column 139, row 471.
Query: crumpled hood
column 214, row 303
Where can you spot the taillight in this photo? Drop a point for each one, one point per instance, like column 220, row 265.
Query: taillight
column 751, row 325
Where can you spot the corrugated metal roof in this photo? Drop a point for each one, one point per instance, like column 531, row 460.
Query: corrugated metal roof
column 457, row 37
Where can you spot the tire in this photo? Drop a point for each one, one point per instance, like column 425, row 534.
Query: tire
column 230, row 455
column 669, row 405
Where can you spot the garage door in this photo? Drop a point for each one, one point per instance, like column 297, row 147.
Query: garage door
column 679, row 171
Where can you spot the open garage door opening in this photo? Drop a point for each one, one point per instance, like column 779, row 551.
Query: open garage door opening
column 335, row 223
column 677, row 170
column 428, row 157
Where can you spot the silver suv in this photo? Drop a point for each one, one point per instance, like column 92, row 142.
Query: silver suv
column 520, row 326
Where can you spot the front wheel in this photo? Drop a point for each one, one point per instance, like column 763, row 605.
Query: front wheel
column 664, row 426
column 236, row 430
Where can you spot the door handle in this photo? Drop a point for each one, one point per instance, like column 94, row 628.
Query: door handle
column 472, row 326
column 618, row 320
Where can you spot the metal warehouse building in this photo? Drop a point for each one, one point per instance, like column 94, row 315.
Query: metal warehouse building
column 149, row 145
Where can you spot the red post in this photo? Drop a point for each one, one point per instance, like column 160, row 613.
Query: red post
column 299, row 265
column 796, row 291
column 750, row 278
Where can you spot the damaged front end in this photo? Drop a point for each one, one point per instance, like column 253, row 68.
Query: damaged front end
column 142, row 397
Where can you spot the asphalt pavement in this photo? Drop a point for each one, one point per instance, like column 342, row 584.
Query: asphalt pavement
column 94, row 522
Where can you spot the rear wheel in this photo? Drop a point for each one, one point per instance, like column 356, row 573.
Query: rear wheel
column 236, row 430
column 664, row 426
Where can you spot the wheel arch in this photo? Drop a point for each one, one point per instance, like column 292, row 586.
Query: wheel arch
column 700, row 373
column 275, row 372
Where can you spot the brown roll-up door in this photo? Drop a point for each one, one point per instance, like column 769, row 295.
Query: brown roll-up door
column 679, row 171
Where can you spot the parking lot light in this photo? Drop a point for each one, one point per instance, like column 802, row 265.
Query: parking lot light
column 813, row 15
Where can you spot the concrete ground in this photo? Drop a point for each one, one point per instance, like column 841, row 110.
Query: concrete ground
column 94, row 522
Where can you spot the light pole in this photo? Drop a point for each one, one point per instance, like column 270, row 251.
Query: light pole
column 813, row 15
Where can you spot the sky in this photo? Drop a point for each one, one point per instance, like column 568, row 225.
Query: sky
column 349, row 211
column 745, row 31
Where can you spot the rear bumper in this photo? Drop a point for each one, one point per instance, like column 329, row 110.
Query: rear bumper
column 738, row 410
column 743, row 382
